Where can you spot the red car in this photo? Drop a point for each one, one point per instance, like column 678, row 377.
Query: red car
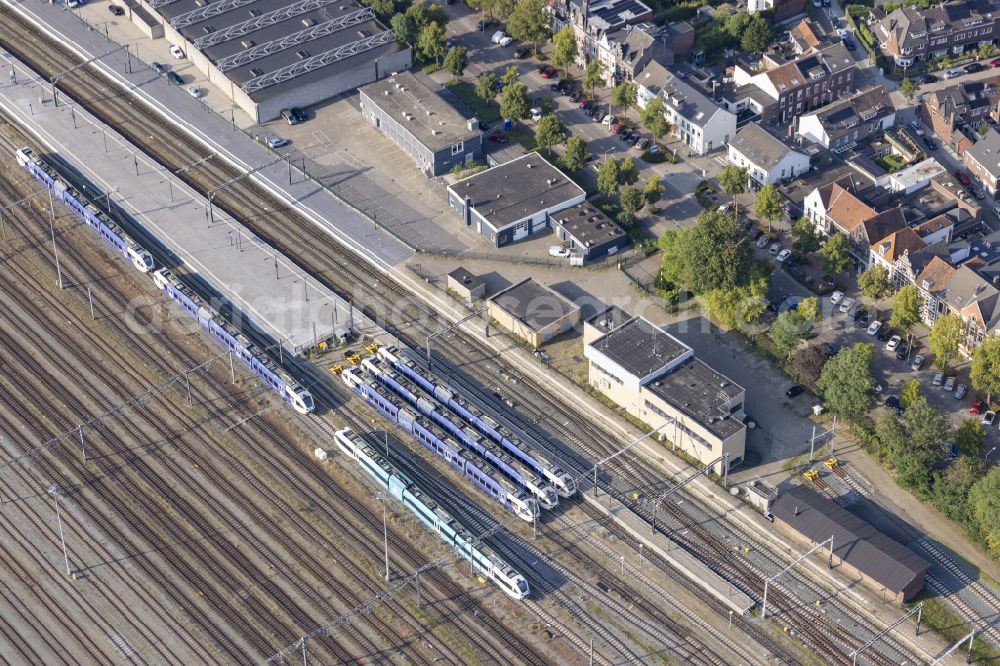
column 498, row 137
column 583, row 101
column 995, row 62
column 976, row 408
column 548, row 72
column 617, row 129
column 963, row 178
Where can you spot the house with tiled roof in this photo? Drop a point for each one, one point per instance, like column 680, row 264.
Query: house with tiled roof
column 780, row 90
column 850, row 120
column 976, row 301
column 955, row 112
column 983, row 161
column 910, row 34
column 594, row 23
column 804, row 37
column 767, row 159
column 783, row 10
column 931, row 281
column 625, row 52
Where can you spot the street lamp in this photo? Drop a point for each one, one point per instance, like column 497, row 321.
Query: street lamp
column 56, row 492
column 987, row 457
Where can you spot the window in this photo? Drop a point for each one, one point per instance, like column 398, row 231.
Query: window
column 457, row 148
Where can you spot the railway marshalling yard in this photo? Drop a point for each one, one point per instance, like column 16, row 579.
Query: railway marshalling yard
column 200, row 528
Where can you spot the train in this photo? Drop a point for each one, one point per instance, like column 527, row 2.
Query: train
column 489, row 565
column 99, row 222
column 503, row 462
column 564, row 483
column 241, row 347
column 468, row 463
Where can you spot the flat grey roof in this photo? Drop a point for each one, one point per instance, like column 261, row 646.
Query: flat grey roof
column 533, row 304
column 701, row 392
column 517, row 189
column 470, row 280
column 421, row 109
column 855, row 541
column 608, row 319
column 588, row 225
column 762, row 148
column 639, row 347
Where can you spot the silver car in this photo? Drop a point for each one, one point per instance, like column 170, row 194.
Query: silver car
column 949, row 383
column 961, row 391
column 918, row 361
column 938, row 379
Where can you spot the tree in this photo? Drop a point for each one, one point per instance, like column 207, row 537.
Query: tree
column 787, row 331
column 985, row 51
column 739, row 307
column 847, row 383
column 908, row 88
column 671, row 245
column 564, row 48
column 456, row 60
column 432, row 40
column 733, row 180
column 510, row 75
column 768, row 205
column 875, row 283
column 627, row 173
column 805, row 237
column 401, row 28
column 809, row 309
column 806, row 364
column 984, row 502
column 482, row 6
column 969, row 437
column 575, row 157
column 514, row 101
column 908, row 308
column 607, row 177
column 736, row 25
column 653, row 190
column 384, row 8
column 910, row 394
column 985, row 372
column 631, row 202
column 836, row 257
column 548, row 132
column 625, row 95
column 486, row 86
column 928, row 431
column 529, row 22
column 758, row 35
column 654, row 119
column 716, row 254
column 946, row 336
column 593, row 76
column 890, row 436
column 504, row 8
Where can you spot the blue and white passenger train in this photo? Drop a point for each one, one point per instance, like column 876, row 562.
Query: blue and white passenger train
column 102, row 225
column 468, row 463
column 564, row 483
column 502, row 461
column 283, row 384
column 484, row 560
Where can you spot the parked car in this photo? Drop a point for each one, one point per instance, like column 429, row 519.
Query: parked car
column 874, row 327
column 548, row 72
column 174, row 78
column 482, row 25
column 893, row 343
column 536, row 114
column 116, row 10
column 176, row 51
column 793, row 391
column 836, row 297
column 850, row 44
column 976, row 407
column 988, row 418
column 847, row 304
column 298, row 114
column 938, row 379
column 918, row 361
column 963, row 177
column 973, row 67
column 775, row 247
column 893, row 402
column 558, row 251
column 885, row 334
column 930, row 143
column 995, row 62
column 977, row 192
column 960, row 391
column 275, row 142
column 861, row 318
column 902, row 352
column 158, row 68
column 609, row 120
column 522, row 52
column 497, row 36
column 194, row 91
column 617, row 128
column 929, row 78
column 575, row 96
column 505, row 40
column 583, row 102
column 643, row 144
column 632, row 139
column 762, row 241
column 949, row 384
column 498, row 137
column 952, row 73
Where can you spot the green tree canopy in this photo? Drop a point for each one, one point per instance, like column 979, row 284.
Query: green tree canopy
column 908, row 88
column 671, row 245
column 514, row 101
column 910, row 394
column 847, row 383
column 575, row 157
column 384, row 8
column 984, row 501
column 653, row 117
column 716, row 254
column 510, row 75
column 908, row 308
column 969, row 437
column 787, row 331
column 593, row 76
column 607, row 177
column 456, row 60
column 625, row 95
column 890, row 436
column 653, row 190
column 809, row 309
column 631, row 201
column 548, row 132
column 758, row 35
column 431, row 42
column 736, row 25
column 530, row 22
column 805, row 238
column 769, row 205
column 486, row 86
column 564, row 48
column 985, row 373
column 874, row 283
column 733, row 180
column 836, row 257
column 627, row 173
column 739, row 307
column 945, row 338
column 806, row 363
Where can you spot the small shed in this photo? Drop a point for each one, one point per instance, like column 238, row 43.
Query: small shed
column 466, row 285
column 533, row 312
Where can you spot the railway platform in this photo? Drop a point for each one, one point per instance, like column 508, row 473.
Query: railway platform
column 244, row 272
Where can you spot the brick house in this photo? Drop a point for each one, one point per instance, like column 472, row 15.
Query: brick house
column 954, row 113
column 983, row 160
column 592, row 22
column 843, row 123
column 909, row 34
column 626, row 52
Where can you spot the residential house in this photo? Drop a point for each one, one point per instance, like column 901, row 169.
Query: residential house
column 804, row 37
column 593, row 22
column 976, row 301
column 909, row 34
column 932, row 282
column 767, row 159
column 842, row 124
column 699, row 122
column 955, row 112
column 779, row 90
column 983, row 160
column 626, row 52
column 783, row 10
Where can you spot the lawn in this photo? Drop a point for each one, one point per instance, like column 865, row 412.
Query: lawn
column 487, row 112
column 890, row 163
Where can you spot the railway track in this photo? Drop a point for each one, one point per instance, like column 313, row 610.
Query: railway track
column 335, row 267
column 344, row 519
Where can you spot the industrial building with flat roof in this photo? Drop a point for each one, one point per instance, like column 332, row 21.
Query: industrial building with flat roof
column 656, row 378
column 424, row 121
column 514, row 200
column 880, row 561
column 270, row 55
column 591, row 233
column 533, row 312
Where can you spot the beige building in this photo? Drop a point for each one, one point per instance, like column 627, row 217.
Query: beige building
column 656, row 378
column 533, row 312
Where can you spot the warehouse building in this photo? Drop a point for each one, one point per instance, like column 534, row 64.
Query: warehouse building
column 884, row 564
column 656, row 378
column 514, row 200
column 270, row 55
column 533, row 312
column 424, row 121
